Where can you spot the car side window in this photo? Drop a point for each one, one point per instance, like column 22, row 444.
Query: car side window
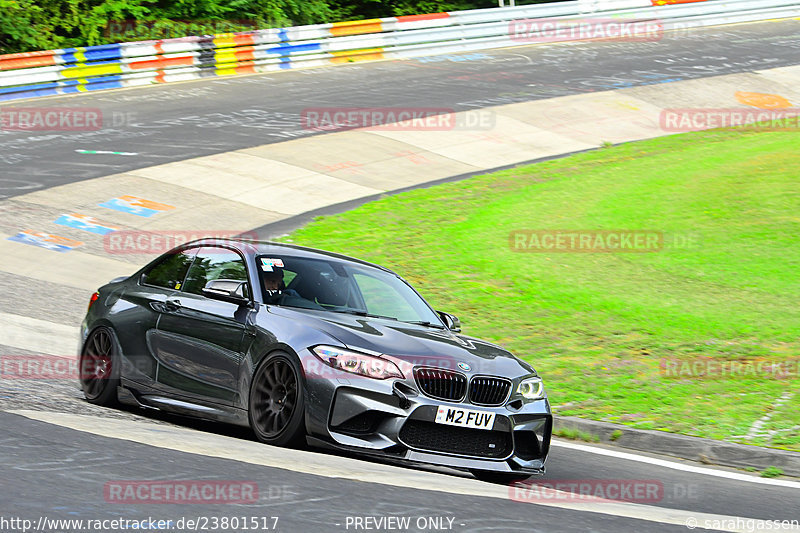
column 213, row 263
column 170, row 271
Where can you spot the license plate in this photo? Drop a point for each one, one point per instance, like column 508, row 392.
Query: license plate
column 465, row 418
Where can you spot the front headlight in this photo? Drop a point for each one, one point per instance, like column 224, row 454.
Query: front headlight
column 357, row 363
column 531, row 388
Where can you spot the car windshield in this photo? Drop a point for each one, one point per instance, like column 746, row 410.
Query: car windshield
column 342, row 288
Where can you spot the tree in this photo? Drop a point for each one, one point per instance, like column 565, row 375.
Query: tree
column 22, row 28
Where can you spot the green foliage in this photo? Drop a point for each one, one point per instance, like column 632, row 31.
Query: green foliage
column 771, row 471
column 575, row 434
column 26, row 25
column 274, row 13
column 22, row 28
column 90, row 28
column 413, row 7
column 382, row 8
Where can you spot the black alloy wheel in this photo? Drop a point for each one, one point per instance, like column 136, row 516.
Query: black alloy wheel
column 277, row 401
column 99, row 375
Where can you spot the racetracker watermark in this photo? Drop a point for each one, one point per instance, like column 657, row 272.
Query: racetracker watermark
column 159, row 242
column 355, row 365
column 552, row 30
column 696, row 119
column 118, row 30
column 396, row 119
column 66, row 367
column 708, row 368
column 588, row 490
column 62, row 119
column 181, row 492
column 42, row 367
column 51, row 119
column 599, row 241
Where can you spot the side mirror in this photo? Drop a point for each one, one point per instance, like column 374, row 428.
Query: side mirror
column 226, row 290
column 451, row 321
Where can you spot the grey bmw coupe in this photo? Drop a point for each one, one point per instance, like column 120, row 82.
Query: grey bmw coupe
column 311, row 347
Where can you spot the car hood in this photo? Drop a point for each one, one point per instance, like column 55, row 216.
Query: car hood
column 415, row 344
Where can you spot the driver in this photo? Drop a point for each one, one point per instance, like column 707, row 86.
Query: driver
column 274, row 285
column 273, row 280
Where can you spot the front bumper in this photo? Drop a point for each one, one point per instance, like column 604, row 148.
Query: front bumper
column 392, row 418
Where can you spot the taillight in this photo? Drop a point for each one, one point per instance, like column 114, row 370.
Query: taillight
column 93, row 299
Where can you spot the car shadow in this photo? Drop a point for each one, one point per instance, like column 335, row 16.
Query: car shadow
column 240, row 432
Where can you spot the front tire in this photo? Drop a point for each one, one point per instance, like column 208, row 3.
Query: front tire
column 99, row 368
column 277, row 401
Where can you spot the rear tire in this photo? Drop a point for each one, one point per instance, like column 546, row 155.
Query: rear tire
column 99, row 367
column 503, row 478
column 277, row 401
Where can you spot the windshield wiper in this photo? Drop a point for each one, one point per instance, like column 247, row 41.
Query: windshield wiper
column 370, row 315
column 424, row 323
column 363, row 313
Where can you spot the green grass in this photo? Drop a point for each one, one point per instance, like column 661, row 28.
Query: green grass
column 575, row 434
column 597, row 325
column 771, row 471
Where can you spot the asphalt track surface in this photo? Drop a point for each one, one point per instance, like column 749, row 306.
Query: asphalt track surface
column 53, row 471
column 60, row 473
column 180, row 121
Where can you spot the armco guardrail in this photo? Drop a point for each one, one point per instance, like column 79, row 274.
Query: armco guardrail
column 93, row 68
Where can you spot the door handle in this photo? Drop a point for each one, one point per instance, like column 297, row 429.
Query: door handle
column 172, row 305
